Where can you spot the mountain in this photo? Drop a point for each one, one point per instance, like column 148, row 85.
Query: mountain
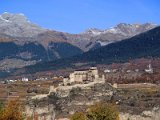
column 24, row 43
column 145, row 45
column 18, row 25
column 117, row 33
column 94, row 38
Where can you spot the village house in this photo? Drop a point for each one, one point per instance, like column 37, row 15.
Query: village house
column 149, row 70
column 25, row 79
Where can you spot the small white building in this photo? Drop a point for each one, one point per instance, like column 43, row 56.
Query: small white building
column 25, row 79
column 11, row 81
column 150, row 69
column 107, row 71
column 128, row 71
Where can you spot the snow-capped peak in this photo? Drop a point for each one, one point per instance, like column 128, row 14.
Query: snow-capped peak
column 18, row 25
column 111, row 30
column 4, row 20
column 93, row 31
column 124, row 29
column 17, row 18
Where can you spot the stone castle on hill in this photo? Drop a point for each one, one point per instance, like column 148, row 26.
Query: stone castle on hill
column 82, row 88
column 84, row 76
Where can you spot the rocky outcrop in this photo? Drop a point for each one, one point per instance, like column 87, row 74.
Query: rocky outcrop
column 63, row 101
column 71, row 99
column 145, row 115
column 66, row 100
column 45, row 111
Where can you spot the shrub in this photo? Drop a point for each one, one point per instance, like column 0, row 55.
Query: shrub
column 99, row 111
column 79, row 116
column 12, row 111
column 103, row 111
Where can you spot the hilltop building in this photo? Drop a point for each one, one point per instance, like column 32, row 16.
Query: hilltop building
column 83, row 76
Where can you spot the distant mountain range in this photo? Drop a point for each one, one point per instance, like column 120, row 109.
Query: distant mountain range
column 93, row 38
column 144, row 45
column 23, row 43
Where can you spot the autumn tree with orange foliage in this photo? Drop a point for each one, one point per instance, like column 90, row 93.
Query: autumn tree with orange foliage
column 12, row 111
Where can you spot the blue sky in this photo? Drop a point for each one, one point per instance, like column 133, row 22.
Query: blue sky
column 75, row 16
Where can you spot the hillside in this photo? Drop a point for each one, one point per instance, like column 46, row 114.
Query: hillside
column 145, row 45
column 33, row 52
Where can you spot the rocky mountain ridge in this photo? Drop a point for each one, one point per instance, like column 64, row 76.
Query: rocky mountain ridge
column 120, row 32
column 17, row 25
column 16, row 30
column 122, row 28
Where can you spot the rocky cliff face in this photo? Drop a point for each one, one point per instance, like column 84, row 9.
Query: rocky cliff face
column 67, row 99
